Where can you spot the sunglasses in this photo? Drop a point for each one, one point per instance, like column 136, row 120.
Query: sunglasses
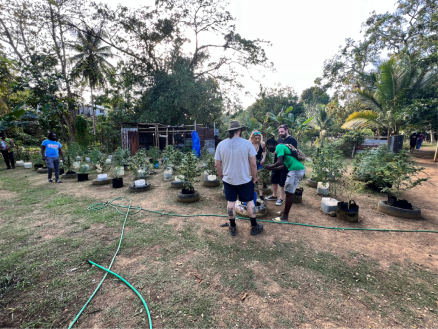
column 257, row 133
column 283, row 126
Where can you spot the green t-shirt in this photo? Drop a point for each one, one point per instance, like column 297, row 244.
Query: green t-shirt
column 289, row 161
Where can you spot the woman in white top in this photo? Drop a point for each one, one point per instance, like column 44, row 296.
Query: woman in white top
column 257, row 142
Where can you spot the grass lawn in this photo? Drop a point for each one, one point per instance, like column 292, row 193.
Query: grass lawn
column 192, row 273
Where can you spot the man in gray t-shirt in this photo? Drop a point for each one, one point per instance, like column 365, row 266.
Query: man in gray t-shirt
column 236, row 166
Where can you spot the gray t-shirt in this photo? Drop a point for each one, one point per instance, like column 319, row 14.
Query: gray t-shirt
column 234, row 154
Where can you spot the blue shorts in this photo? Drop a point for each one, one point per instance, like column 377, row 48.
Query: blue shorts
column 245, row 192
column 259, row 166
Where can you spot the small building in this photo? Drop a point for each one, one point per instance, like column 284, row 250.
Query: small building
column 146, row 135
column 87, row 110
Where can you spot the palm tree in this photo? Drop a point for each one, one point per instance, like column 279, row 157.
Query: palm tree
column 91, row 63
column 397, row 83
column 322, row 121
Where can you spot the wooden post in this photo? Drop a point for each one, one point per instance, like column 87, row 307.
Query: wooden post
column 173, row 136
column 167, row 136
column 436, row 152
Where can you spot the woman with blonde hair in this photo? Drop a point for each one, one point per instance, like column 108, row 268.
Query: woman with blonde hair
column 256, row 139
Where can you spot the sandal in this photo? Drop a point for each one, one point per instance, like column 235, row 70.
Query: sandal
column 279, row 219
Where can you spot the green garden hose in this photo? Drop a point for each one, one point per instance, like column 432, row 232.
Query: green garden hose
column 137, row 209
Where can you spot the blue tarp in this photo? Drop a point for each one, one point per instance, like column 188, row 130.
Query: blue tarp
column 196, row 143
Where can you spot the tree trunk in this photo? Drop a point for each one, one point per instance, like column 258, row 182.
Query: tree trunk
column 436, row 151
column 94, row 112
column 431, row 136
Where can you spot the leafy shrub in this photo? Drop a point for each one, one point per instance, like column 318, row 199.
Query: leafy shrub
column 190, row 169
column 70, row 155
column 140, row 162
column 391, row 172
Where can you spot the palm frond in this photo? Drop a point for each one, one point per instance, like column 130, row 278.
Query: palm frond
column 361, row 119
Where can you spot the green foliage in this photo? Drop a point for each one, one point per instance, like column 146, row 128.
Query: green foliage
column 99, row 160
column 351, row 139
column 119, row 157
column 37, row 159
column 210, row 164
column 391, row 172
column 81, row 127
column 154, row 153
column 70, row 155
column 190, row 169
column 13, row 118
column 84, row 168
column 140, row 162
column 177, row 158
column 265, row 174
column 328, row 166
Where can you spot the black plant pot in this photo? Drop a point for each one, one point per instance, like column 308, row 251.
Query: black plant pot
column 37, row 166
column 298, row 195
column 151, row 160
column 70, row 172
column 82, row 177
column 403, row 204
column 117, row 182
column 348, row 211
column 61, row 171
column 125, row 167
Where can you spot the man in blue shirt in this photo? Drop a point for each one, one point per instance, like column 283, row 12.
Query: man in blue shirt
column 50, row 150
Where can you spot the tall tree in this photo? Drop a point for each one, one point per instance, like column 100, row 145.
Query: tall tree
column 91, row 63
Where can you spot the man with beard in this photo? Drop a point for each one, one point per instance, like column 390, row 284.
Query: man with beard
column 50, row 150
column 278, row 177
column 236, row 166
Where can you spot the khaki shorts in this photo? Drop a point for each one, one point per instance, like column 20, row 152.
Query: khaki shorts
column 293, row 179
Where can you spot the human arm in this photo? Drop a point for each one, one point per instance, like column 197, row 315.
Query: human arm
column 262, row 162
column 253, row 167
column 218, row 165
column 279, row 165
column 43, row 152
column 62, row 154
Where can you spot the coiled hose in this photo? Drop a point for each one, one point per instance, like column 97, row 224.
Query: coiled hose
column 132, row 210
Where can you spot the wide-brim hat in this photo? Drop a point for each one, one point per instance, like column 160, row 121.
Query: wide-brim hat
column 234, row 125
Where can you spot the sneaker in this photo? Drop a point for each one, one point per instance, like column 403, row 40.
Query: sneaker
column 256, row 229
column 59, row 181
column 50, row 180
column 279, row 202
column 262, row 198
column 233, row 230
column 271, row 198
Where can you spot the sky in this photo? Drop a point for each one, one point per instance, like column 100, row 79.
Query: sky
column 303, row 34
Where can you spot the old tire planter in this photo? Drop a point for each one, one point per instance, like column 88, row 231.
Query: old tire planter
column 101, row 182
column 82, row 177
column 261, row 209
column 211, row 183
column 384, row 207
column 348, row 211
column 117, row 182
column 42, row 170
column 188, row 197
column 177, row 184
column 143, row 188
column 311, row 183
column 69, row 175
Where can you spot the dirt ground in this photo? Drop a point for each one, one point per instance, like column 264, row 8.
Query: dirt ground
column 382, row 247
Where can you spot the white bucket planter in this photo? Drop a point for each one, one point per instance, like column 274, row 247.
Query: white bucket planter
column 28, row 165
column 179, row 178
column 76, row 165
column 85, row 167
column 322, row 189
column 211, row 178
column 205, row 175
column 140, row 183
column 102, row 177
column 108, row 161
column 87, row 159
column 168, row 174
column 329, row 205
column 110, row 157
column 19, row 163
column 78, row 158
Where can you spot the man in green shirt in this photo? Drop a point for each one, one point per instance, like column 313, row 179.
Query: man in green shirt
column 286, row 159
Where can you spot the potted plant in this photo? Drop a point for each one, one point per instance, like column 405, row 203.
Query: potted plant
column 126, row 157
column 98, row 159
column 265, row 175
column 70, row 156
column 83, row 172
column 400, row 175
column 119, row 170
column 176, row 159
column 154, row 153
column 168, row 164
column 349, row 210
column 190, row 170
column 37, row 160
column 140, row 164
column 210, row 167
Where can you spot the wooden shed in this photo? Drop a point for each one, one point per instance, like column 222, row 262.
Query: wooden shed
column 146, row 135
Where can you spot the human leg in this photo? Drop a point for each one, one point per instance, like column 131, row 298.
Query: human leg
column 50, row 167
column 246, row 194
column 56, row 168
column 293, row 179
column 275, row 179
column 282, row 182
column 6, row 158
column 231, row 196
column 11, row 159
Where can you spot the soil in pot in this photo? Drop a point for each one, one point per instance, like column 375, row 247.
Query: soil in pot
column 82, row 177
column 348, row 211
column 117, row 182
column 188, row 196
column 403, row 204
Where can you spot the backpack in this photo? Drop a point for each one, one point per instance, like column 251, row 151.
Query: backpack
column 300, row 157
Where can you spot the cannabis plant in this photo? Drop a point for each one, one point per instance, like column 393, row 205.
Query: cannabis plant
column 154, row 153
column 190, row 169
column 140, row 162
column 210, row 164
column 71, row 154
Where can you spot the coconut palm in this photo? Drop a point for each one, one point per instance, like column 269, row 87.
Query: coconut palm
column 91, row 63
column 397, row 83
column 322, row 121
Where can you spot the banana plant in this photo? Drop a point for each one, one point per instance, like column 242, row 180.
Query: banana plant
column 12, row 118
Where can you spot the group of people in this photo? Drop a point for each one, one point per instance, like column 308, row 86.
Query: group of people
column 239, row 161
column 7, row 147
column 416, row 139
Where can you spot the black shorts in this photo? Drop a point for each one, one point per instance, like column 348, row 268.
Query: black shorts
column 279, row 177
column 245, row 192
